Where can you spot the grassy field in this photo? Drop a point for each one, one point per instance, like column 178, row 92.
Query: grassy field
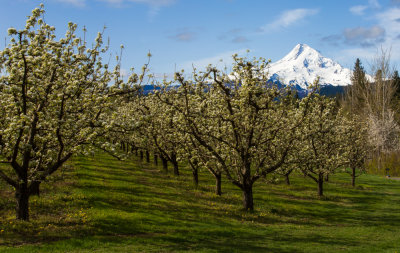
column 99, row 204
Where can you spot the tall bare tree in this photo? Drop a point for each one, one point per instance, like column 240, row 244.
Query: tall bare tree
column 382, row 127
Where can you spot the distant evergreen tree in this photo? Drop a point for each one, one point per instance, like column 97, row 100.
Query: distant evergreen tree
column 353, row 98
column 396, row 80
column 358, row 78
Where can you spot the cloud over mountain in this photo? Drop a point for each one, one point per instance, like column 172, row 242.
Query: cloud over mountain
column 288, row 18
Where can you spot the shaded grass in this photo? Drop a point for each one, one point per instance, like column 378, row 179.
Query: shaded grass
column 99, row 204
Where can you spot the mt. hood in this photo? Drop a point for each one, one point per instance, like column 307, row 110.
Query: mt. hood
column 303, row 65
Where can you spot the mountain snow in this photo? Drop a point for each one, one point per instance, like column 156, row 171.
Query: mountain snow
column 304, row 64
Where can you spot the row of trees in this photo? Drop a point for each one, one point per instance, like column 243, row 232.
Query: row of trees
column 241, row 126
column 58, row 98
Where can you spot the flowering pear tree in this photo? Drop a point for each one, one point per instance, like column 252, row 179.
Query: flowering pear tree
column 320, row 152
column 288, row 168
column 126, row 119
column 121, row 129
column 240, row 122
column 354, row 140
column 163, row 130
column 192, row 98
column 53, row 98
column 150, row 125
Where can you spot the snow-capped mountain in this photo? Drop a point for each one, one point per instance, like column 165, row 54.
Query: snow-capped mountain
column 303, row 65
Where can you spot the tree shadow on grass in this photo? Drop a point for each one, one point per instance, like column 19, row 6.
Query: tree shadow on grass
column 143, row 206
column 215, row 236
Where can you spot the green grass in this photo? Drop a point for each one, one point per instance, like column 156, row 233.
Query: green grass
column 99, row 204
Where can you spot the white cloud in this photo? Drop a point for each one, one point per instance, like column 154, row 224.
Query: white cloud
column 358, row 9
column 374, row 4
column 389, row 21
column 183, row 36
column 221, row 60
column 154, row 5
column 78, row 3
column 158, row 3
column 288, row 18
column 365, row 36
column 395, row 2
column 240, row 39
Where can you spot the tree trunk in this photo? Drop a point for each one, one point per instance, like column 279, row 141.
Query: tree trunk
column 147, row 156
column 320, row 184
column 248, row 198
column 353, row 177
column 155, row 158
column 287, row 178
column 327, row 178
column 195, row 173
column 176, row 168
column 218, row 184
column 175, row 163
column 164, row 164
column 22, row 197
column 141, row 155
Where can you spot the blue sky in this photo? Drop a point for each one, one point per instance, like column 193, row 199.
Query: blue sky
column 180, row 33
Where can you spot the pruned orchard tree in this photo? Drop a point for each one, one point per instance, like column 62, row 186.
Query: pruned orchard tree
column 53, row 97
column 162, row 129
column 245, row 124
column 124, row 117
column 291, row 163
column 353, row 133
column 286, row 170
column 121, row 131
column 150, row 126
column 194, row 96
column 138, row 116
column 320, row 152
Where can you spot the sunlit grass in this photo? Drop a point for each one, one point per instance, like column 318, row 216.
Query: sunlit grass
column 99, row 204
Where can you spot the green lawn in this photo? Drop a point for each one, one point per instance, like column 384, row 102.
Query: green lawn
column 99, row 204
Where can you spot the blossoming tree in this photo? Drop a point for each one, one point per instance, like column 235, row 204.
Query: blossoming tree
column 53, row 97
